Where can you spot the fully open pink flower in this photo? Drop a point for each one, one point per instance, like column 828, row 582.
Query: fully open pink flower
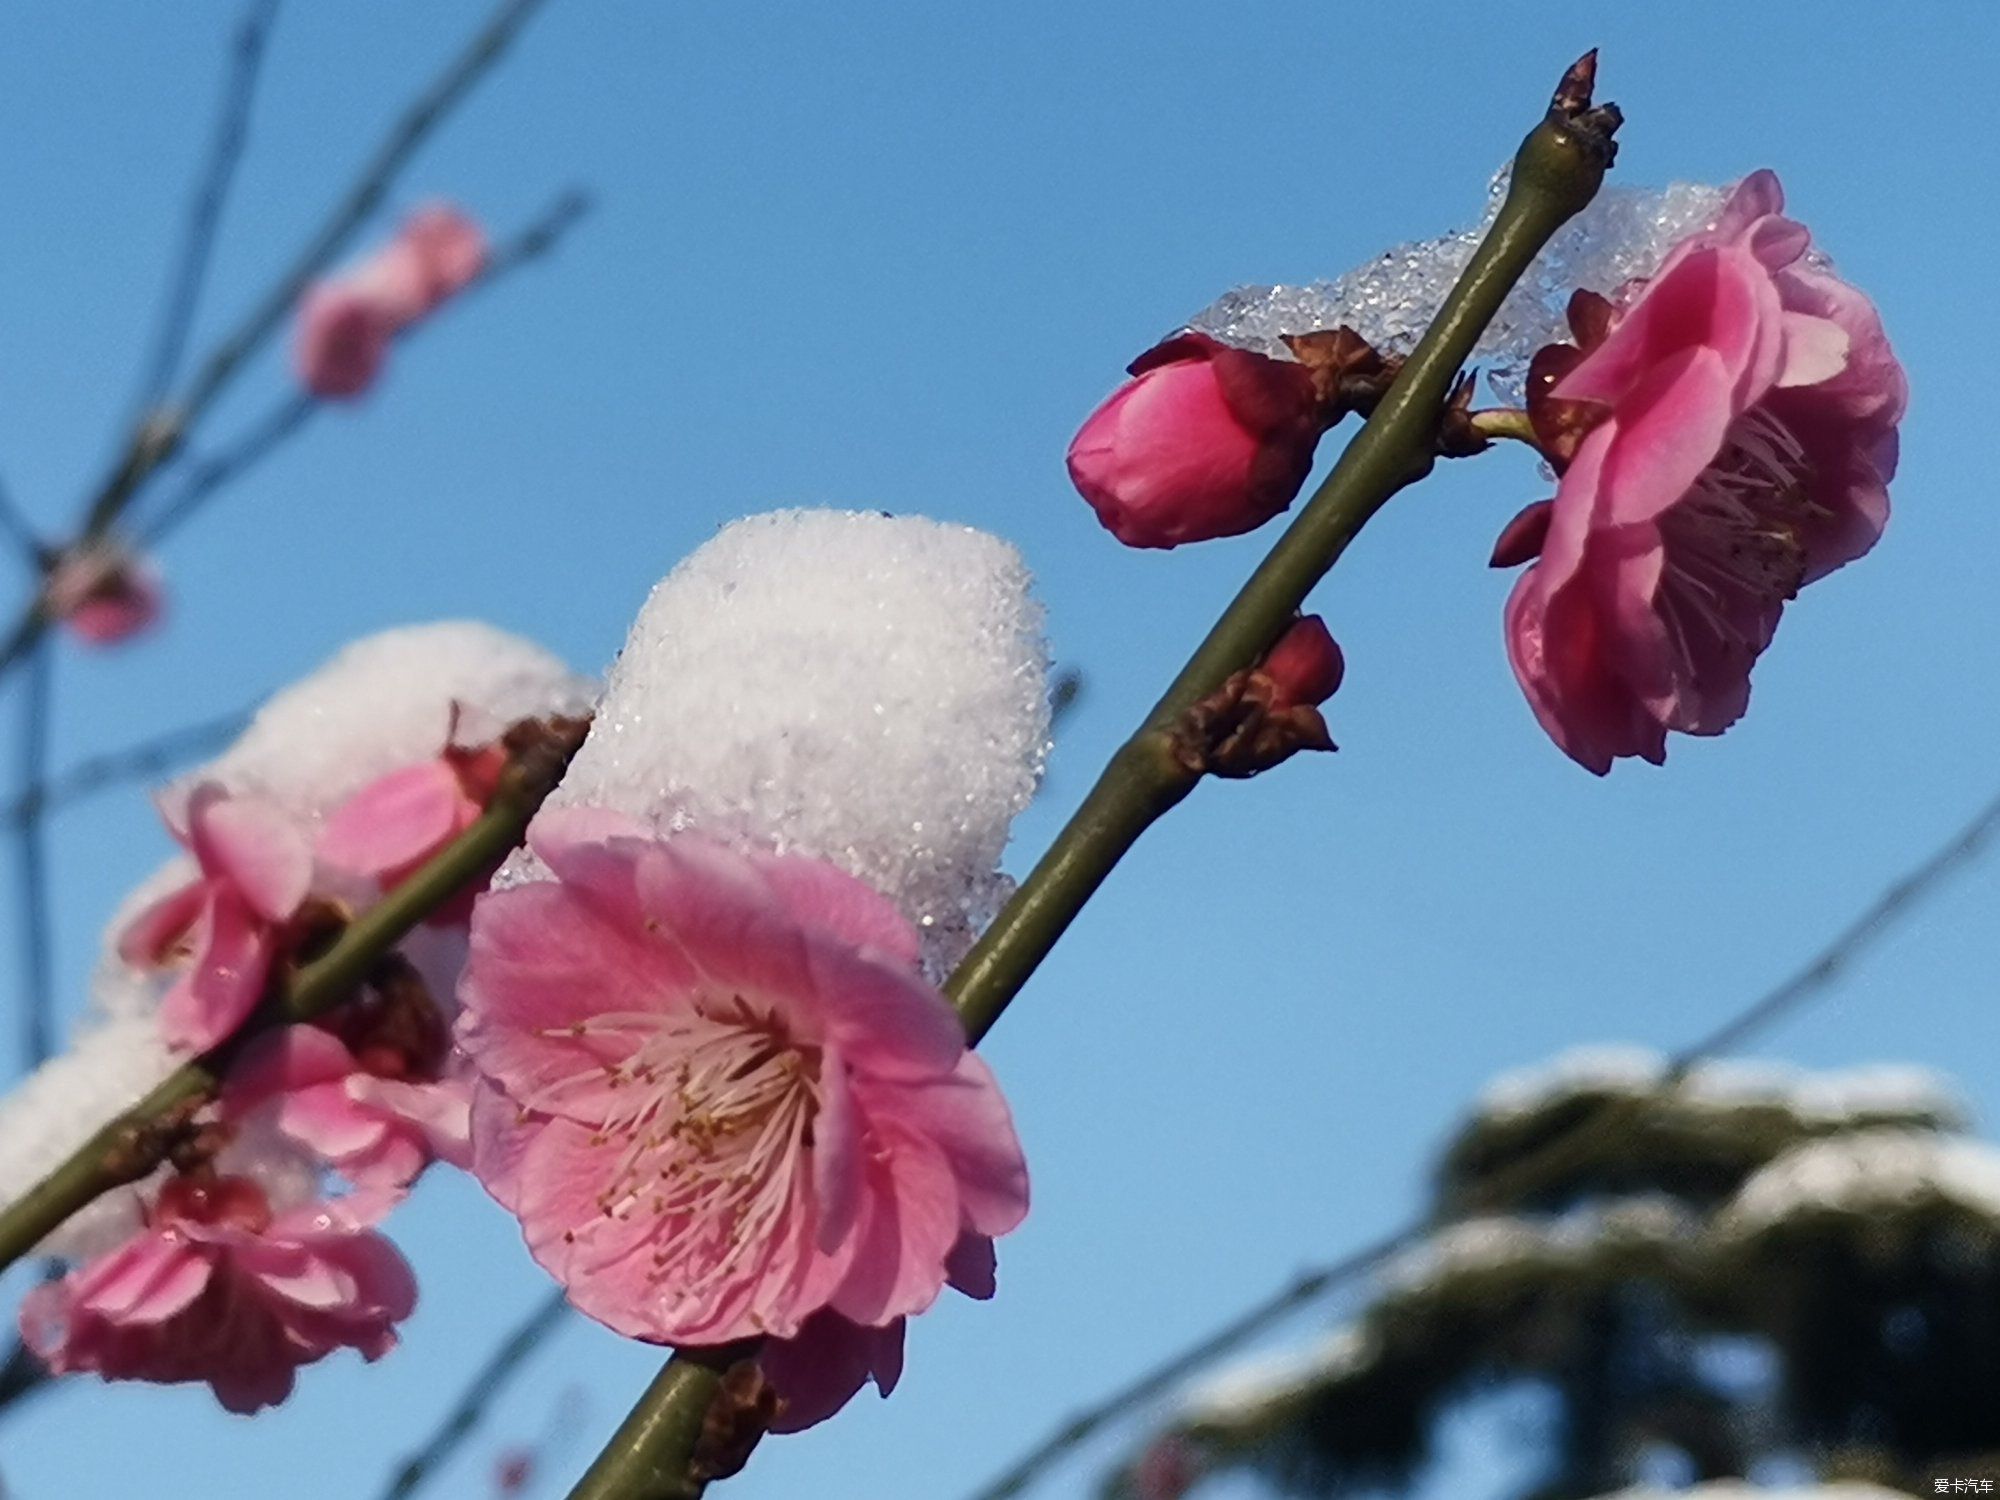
column 227, row 924
column 218, row 1289
column 1204, row 441
column 103, row 594
column 379, row 1127
column 1738, row 432
column 719, row 1097
column 346, row 324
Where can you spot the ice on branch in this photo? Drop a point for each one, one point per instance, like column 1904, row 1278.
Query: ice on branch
column 866, row 689
column 388, row 701
column 1390, row 300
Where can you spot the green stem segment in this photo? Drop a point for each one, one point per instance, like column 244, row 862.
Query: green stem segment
column 120, row 1152
column 651, row 1456
column 1556, row 172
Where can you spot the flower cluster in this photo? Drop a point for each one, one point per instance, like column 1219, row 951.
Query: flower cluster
column 254, row 1250
column 695, row 1048
column 1724, row 429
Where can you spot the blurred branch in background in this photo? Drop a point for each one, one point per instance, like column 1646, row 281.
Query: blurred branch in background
column 480, row 1393
column 157, row 436
column 232, row 134
column 148, row 758
column 1556, row 1155
column 31, row 863
column 16, row 526
column 288, row 417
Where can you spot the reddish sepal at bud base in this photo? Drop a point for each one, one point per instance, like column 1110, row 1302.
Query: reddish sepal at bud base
column 1205, row 441
column 1522, row 539
column 1263, row 717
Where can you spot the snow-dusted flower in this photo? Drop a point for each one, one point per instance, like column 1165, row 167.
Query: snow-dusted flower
column 387, row 702
column 103, row 593
column 1728, row 433
column 1204, row 441
column 220, row 1288
column 865, row 689
column 719, row 1097
column 225, row 927
column 347, row 323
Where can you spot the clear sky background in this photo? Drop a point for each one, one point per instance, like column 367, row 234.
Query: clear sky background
column 888, row 256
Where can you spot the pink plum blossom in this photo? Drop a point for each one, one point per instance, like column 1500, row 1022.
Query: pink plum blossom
column 392, row 826
column 721, row 1100
column 1728, row 434
column 347, row 323
column 103, row 594
column 227, row 925
column 378, row 1126
column 1204, row 441
column 217, row 1288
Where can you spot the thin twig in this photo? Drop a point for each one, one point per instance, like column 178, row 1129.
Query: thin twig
column 148, row 758
column 158, row 436
column 411, row 129
column 225, row 153
column 19, row 531
column 1812, row 980
column 286, row 419
column 480, row 1393
column 1819, row 972
column 31, row 865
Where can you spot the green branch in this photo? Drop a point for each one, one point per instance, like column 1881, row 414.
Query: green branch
column 127, row 1148
column 1556, row 172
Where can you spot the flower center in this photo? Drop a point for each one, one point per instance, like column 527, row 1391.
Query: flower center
column 1735, row 543
column 715, row 1139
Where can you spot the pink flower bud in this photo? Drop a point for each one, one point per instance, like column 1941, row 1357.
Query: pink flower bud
column 347, row 324
column 343, row 338
column 1306, row 666
column 103, row 594
column 1205, row 441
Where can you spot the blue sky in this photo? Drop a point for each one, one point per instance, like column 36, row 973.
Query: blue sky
column 888, row 256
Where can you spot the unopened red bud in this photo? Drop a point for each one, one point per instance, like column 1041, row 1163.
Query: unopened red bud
column 1204, row 441
column 1306, row 666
